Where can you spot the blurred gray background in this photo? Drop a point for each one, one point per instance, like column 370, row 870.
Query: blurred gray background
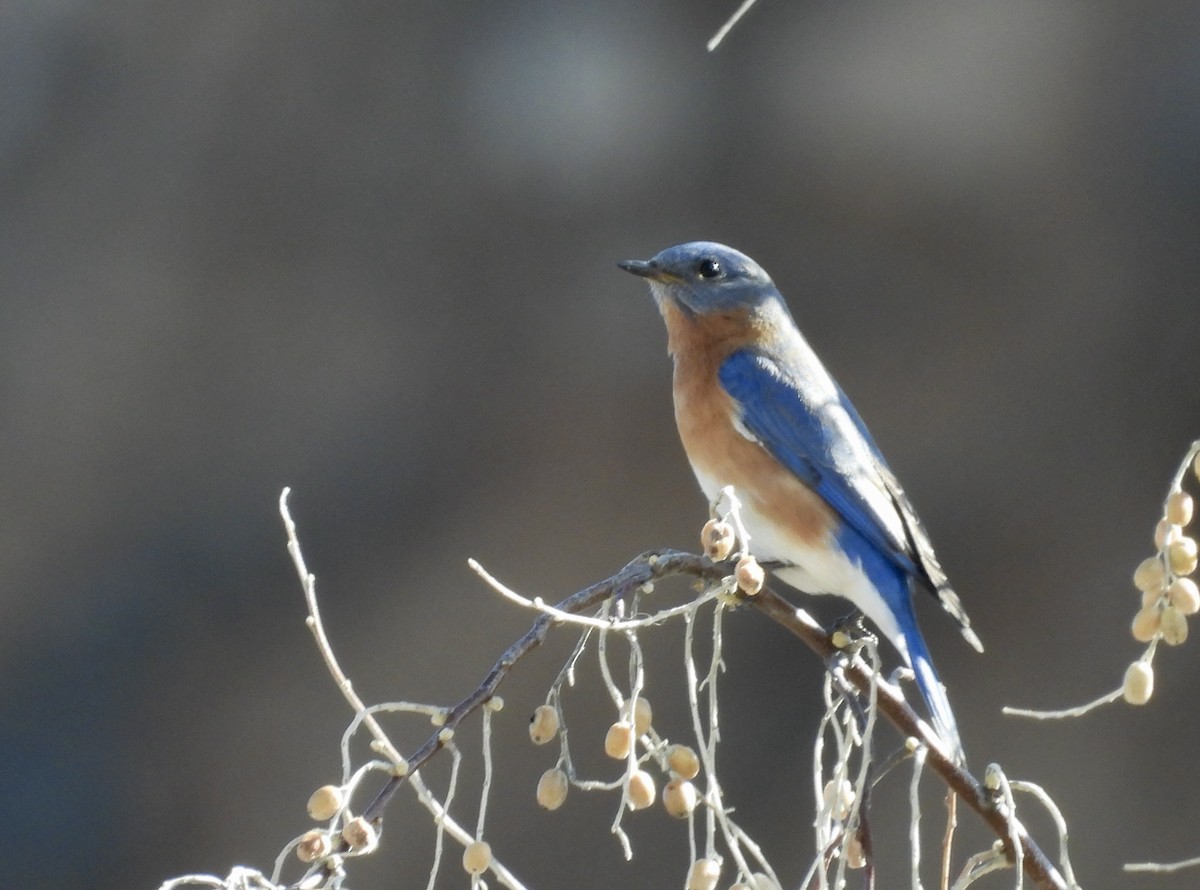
column 367, row 250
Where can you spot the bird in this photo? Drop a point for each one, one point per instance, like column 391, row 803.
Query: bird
column 757, row 410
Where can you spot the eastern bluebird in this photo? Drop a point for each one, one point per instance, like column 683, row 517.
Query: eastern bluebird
column 757, row 410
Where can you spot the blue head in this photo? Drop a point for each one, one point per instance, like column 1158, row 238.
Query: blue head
column 702, row 277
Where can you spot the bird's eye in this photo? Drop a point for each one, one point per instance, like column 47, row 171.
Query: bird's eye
column 708, row 268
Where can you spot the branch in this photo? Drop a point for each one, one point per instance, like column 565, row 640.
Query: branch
column 645, row 568
column 654, row 565
column 1038, row 867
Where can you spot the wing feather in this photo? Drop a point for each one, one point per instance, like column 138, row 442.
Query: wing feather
column 816, row 433
column 821, row 443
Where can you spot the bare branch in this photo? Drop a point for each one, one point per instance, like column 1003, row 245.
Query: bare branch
column 655, row 565
column 728, row 26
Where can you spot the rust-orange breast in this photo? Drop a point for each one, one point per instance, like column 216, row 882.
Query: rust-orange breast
column 705, row 415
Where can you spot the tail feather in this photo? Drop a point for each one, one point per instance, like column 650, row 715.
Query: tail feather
column 917, row 655
column 883, row 592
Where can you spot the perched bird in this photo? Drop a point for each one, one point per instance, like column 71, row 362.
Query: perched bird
column 757, row 410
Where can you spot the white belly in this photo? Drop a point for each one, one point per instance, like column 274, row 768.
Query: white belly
column 818, row 570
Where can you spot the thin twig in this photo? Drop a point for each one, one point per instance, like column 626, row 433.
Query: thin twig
column 1065, row 713
column 309, row 583
column 728, row 26
column 1064, row 860
column 914, row 827
column 948, row 836
column 1162, row 868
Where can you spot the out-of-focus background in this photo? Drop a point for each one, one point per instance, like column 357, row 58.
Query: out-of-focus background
column 368, row 251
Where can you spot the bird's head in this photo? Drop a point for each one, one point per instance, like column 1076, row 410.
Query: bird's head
column 702, row 277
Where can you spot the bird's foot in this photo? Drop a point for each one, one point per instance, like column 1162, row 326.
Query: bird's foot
column 851, row 630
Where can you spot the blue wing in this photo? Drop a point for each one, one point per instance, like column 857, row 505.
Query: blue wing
column 824, row 442
column 827, row 446
column 810, row 427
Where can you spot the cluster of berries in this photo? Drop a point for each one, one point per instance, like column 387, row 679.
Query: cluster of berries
column 1169, row 596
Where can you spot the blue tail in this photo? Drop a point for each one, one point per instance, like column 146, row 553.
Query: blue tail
column 891, row 608
column 931, row 688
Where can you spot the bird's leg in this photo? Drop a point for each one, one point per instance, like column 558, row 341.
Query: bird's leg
column 848, row 634
column 850, row 629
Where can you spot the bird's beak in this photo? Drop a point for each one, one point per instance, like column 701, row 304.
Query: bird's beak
column 643, row 269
